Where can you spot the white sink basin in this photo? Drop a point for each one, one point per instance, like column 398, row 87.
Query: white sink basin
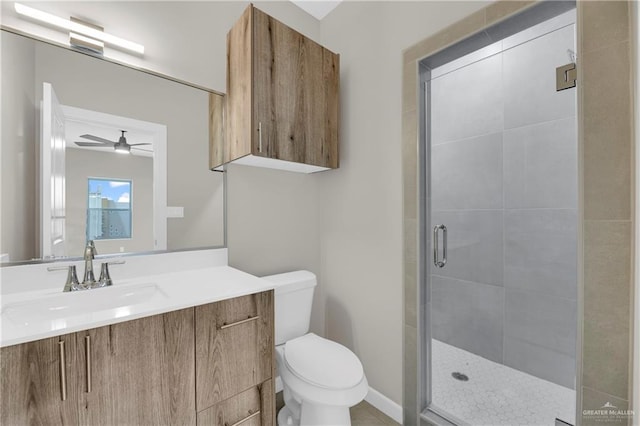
column 85, row 302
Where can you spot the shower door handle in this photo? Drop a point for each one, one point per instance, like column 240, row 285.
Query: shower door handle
column 436, row 261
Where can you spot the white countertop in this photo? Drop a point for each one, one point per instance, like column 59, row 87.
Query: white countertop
column 32, row 315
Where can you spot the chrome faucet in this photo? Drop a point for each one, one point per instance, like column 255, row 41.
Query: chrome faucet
column 89, row 280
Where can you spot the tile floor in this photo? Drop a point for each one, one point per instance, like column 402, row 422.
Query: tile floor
column 495, row 394
column 363, row 414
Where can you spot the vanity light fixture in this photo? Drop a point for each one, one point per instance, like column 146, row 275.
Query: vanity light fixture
column 78, row 28
column 86, row 43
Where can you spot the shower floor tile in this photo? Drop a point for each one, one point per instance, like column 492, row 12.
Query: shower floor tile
column 495, row 394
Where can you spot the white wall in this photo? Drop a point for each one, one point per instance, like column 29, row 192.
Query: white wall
column 273, row 225
column 17, row 151
column 361, row 230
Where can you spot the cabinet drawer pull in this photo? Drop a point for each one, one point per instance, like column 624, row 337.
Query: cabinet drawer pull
column 63, row 370
column 260, row 136
column 87, row 351
column 250, row 416
column 223, row 326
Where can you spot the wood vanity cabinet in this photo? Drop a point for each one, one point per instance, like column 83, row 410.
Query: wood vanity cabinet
column 138, row 372
column 32, row 386
column 282, row 94
column 144, row 371
column 234, row 361
column 135, row 372
column 253, row 407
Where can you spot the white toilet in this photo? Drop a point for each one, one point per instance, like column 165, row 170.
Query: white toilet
column 321, row 379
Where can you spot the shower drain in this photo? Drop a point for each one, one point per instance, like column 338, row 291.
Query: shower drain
column 460, row 376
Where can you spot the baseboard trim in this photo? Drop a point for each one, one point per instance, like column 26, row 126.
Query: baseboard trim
column 384, row 404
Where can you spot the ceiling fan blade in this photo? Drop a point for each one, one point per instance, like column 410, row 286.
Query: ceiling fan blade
column 93, row 144
column 142, row 149
column 97, row 139
column 136, row 144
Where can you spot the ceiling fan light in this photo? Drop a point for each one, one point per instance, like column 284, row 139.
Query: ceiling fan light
column 122, row 149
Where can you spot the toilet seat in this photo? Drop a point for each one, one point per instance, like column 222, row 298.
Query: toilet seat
column 323, row 363
column 302, row 390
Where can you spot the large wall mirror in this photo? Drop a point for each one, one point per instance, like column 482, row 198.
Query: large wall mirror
column 92, row 149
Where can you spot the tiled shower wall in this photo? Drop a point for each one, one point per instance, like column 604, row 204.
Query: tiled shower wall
column 606, row 202
column 504, row 182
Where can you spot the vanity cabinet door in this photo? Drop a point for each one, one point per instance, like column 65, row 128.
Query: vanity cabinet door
column 33, row 391
column 234, row 347
column 139, row 372
column 253, row 407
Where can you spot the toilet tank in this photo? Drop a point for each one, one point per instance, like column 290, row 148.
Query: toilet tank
column 293, row 294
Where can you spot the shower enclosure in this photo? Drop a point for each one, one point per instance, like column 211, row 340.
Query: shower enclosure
column 499, row 203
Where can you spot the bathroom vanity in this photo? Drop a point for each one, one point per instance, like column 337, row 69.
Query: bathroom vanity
column 202, row 353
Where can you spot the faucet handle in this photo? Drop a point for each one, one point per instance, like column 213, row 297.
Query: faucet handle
column 72, row 283
column 58, row 268
column 105, row 278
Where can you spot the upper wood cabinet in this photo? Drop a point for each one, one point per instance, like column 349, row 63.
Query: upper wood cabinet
column 282, row 97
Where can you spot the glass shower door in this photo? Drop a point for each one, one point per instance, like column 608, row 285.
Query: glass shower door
column 502, row 211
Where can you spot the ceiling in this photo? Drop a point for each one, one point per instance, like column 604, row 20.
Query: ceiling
column 317, row 8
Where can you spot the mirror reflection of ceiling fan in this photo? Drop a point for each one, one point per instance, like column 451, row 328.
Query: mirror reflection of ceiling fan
column 122, row 146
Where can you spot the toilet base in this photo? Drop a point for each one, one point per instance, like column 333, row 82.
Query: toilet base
column 315, row 415
column 285, row 418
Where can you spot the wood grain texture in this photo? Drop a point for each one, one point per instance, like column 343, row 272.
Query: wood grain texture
column 30, row 377
column 238, row 407
column 263, row 62
column 265, row 302
column 216, row 130
column 143, row 372
column 268, row 403
column 231, row 360
column 295, row 88
column 239, row 128
column 331, row 79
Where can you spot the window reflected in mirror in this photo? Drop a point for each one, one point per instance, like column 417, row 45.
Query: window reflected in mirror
column 109, row 209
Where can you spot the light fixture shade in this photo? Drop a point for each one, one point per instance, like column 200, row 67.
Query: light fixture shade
column 78, row 28
column 122, row 148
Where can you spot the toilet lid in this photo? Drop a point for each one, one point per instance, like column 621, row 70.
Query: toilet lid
column 322, row 362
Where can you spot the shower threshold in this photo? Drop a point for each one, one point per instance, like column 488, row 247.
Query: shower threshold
column 494, row 394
